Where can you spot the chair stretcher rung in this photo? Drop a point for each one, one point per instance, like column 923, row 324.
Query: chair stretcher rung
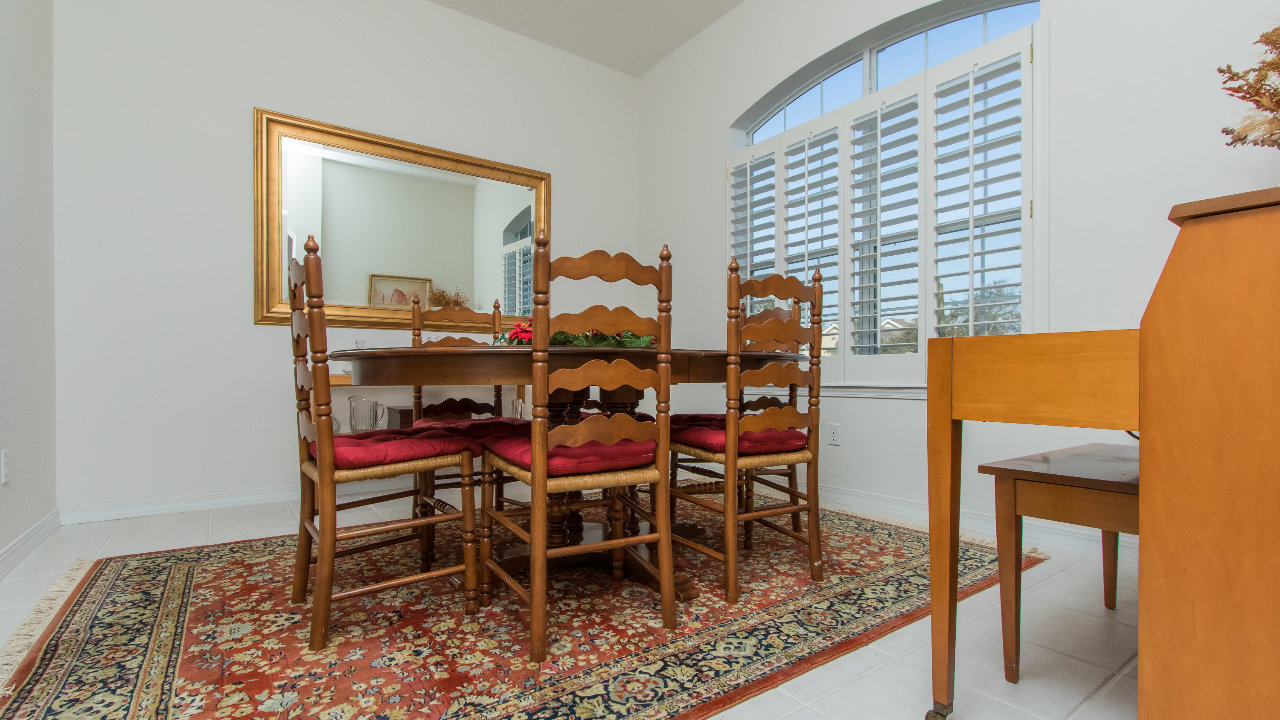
column 782, row 489
column 714, row 507
column 716, row 554
column 515, row 529
column 507, row 580
column 375, row 499
column 785, row 531
column 772, row 511
column 602, row 545
column 420, row 577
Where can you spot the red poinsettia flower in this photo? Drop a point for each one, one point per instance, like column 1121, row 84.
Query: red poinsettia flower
column 521, row 332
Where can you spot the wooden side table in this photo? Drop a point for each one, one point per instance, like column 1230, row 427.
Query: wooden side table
column 1094, row 485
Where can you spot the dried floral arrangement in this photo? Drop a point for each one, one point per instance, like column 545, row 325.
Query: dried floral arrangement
column 1259, row 86
column 522, row 334
column 441, row 298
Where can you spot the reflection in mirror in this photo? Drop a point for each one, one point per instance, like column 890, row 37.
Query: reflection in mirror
column 374, row 217
column 392, row 219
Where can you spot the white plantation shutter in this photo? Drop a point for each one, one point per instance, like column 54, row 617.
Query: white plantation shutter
column 978, row 201
column 911, row 203
column 884, row 247
column 811, row 218
column 753, row 196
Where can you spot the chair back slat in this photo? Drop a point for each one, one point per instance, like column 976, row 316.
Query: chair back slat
column 306, row 428
column 763, row 402
column 302, row 379
column 606, row 320
column 458, row 406
column 786, row 333
column 311, row 355
column 491, row 321
column 605, row 429
column 775, row 418
column 604, row 375
column 781, row 375
column 596, row 371
column 606, row 266
column 780, row 286
column 777, row 329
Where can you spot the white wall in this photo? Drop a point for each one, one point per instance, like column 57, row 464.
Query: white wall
column 389, row 223
column 167, row 390
column 1133, row 105
column 27, row 291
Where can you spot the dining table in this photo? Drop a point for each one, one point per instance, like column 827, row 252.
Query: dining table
column 490, row 365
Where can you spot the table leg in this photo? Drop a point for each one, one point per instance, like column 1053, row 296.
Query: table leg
column 1009, row 553
column 944, row 445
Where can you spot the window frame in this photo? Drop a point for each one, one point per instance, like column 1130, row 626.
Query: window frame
column 880, row 371
column 865, row 49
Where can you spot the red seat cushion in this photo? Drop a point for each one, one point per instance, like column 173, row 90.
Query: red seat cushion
column 577, row 460
column 685, row 419
column 381, row 447
column 757, row 442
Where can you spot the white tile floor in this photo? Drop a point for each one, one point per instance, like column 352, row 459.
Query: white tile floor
column 1079, row 660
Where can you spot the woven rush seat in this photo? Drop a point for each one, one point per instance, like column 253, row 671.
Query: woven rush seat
column 590, row 457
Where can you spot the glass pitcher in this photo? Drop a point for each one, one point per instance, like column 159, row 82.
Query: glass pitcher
column 366, row 414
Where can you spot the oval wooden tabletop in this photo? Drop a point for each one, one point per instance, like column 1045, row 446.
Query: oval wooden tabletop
column 513, row 365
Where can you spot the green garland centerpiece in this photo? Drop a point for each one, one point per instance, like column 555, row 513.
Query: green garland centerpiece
column 522, row 334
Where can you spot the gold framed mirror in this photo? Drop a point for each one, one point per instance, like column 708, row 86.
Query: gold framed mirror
column 388, row 212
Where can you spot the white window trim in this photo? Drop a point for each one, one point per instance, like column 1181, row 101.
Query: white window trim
column 902, row 375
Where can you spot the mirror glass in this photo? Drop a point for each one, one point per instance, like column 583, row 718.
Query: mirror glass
column 393, row 220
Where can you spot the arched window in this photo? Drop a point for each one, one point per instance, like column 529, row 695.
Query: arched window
column 903, row 177
column 881, row 65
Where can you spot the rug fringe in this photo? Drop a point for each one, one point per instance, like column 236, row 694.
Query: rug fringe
column 24, row 638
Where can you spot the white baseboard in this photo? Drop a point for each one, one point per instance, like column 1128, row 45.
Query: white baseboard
column 979, row 525
column 212, row 501
column 13, row 553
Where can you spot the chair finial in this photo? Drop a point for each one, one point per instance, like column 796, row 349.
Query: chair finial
column 311, row 245
column 665, row 254
column 817, row 276
column 416, row 300
column 733, row 265
column 497, row 306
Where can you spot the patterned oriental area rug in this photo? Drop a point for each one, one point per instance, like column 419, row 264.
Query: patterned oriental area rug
column 209, row 632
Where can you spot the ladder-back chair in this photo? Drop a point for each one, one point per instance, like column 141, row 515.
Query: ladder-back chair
column 612, row 453
column 464, row 415
column 701, row 468
column 747, row 444
column 327, row 461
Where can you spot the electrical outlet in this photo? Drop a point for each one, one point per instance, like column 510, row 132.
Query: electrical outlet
column 833, row 433
column 4, row 467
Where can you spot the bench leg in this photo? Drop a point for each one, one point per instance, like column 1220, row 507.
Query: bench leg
column 1009, row 552
column 1110, row 551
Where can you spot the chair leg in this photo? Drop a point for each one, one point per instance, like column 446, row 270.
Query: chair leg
column 427, row 533
column 328, row 526
column 675, row 471
column 486, row 532
column 1009, row 553
column 748, row 504
column 730, row 535
column 815, row 534
column 538, row 577
column 1110, row 557
column 302, row 560
column 499, row 499
column 793, row 482
column 469, row 582
column 666, row 561
column 617, row 512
